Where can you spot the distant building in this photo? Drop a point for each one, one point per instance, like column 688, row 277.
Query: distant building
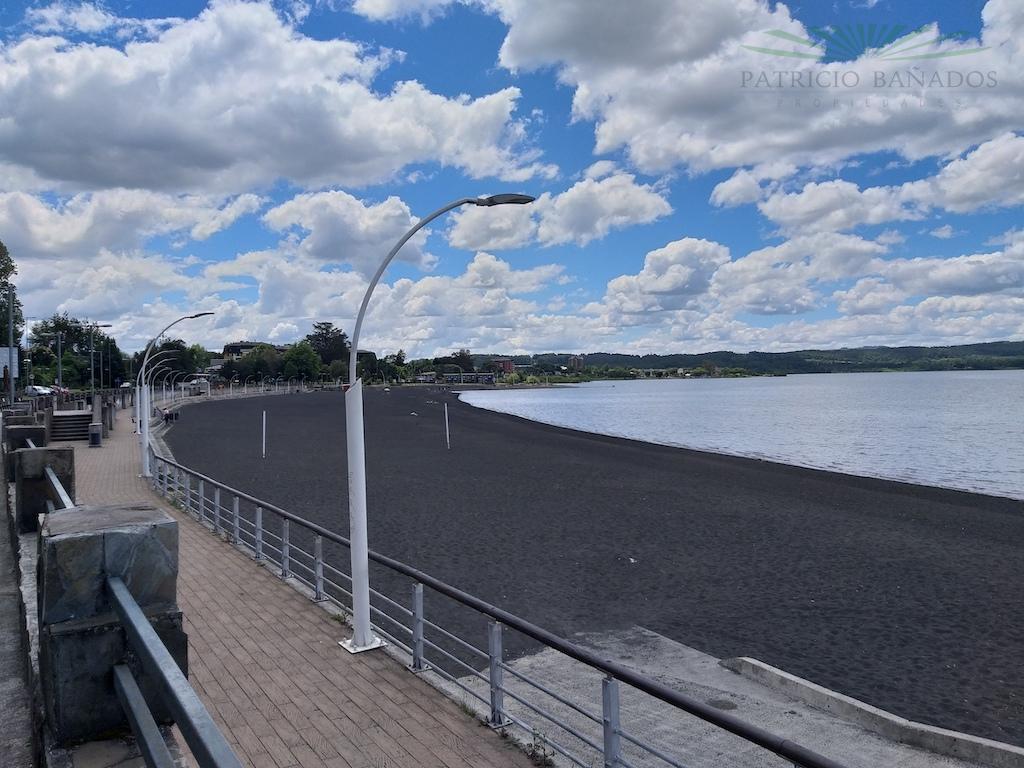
column 575, row 362
column 504, row 365
column 239, row 349
column 469, row 378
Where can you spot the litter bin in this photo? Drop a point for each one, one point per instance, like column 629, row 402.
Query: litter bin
column 175, row 415
column 95, row 434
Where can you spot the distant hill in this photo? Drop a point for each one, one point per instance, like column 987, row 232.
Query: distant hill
column 989, row 356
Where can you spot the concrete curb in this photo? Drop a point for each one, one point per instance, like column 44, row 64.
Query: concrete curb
column 938, row 740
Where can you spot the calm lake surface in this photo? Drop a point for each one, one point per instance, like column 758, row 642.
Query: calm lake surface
column 956, row 429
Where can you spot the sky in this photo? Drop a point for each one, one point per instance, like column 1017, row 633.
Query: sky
column 733, row 174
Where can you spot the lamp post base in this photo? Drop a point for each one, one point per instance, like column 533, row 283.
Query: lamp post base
column 375, row 642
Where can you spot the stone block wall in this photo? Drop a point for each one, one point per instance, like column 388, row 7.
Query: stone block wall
column 81, row 637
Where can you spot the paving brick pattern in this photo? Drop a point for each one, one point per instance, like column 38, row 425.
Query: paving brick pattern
column 267, row 664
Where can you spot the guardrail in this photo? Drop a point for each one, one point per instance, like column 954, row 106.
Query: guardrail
column 267, row 532
column 57, row 496
column 205, row 741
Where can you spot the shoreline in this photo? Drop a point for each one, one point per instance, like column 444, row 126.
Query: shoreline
column 749, row 457
column 898, row 594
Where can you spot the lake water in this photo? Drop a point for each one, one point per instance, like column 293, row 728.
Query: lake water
column 956, row 429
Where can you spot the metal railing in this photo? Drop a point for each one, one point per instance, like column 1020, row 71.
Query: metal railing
column 296, row 547
column 56, row 495
column 205, row 741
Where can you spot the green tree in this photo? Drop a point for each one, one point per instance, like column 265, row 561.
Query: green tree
column 338, row 370
column 329, row 342
column 464, row 359
column 366, row 366
column 75, row 351
column 301, row 360
column 8, row 269
column 200, row 357
column 262, row 360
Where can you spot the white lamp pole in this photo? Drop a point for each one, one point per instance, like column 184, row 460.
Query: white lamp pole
column 138, row 392
column 142, row 377
column 363, row 638
column 151, row 380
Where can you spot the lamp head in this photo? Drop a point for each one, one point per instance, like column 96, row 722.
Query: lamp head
column 199, row 314
column 504, row 199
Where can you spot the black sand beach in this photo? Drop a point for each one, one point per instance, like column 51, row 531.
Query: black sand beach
column 904, row 596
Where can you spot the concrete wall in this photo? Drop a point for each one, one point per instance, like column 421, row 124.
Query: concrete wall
column 81, row 637
column 31, row 488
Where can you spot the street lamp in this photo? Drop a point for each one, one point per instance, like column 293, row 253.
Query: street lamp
column 152, row 374
column 363, row 638
column 174, row 382
column 142, row 375
column 92, row 375
column 163, row 383
column 138, row 385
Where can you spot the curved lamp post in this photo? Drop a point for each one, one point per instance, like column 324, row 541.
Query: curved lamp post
column 174, row 382
column 245, row 384
column 164, row 367
column 142, row 372
column 138, row 391
column 363, row 638
column 163, row 383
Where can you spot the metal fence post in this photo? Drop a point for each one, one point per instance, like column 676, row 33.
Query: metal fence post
column 418, row 664
column 259, row 533
column 285, row 549
column 202, row 501
column 234, row 511
column 610, row 718
column 497, row 718
column 188, row 492
column 318, row 568
column 216, row 510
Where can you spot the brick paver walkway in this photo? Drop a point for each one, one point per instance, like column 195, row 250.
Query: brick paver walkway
column 267, row 664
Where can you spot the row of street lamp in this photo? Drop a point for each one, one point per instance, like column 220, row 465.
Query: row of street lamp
column 363, row 638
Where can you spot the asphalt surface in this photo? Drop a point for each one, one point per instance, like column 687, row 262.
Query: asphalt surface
column 903, row 596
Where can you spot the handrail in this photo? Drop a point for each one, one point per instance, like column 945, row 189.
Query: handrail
column 204, row 739
column 752, row 733
column 147, row 734
column 64, row 500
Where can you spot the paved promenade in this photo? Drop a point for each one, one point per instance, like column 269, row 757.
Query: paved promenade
column 267, row 664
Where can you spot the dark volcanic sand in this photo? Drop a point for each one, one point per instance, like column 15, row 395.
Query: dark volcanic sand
column 904, row 596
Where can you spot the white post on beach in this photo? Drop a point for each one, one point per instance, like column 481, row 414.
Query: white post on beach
column 264, row 434
column 447, row 434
